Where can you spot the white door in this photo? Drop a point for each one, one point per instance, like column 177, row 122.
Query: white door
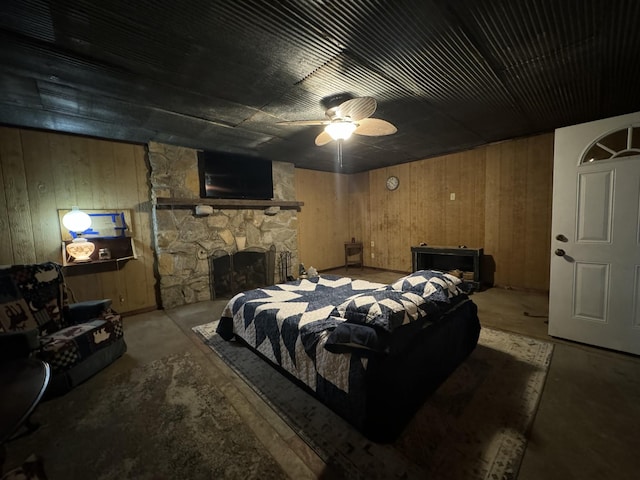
column 594, row 295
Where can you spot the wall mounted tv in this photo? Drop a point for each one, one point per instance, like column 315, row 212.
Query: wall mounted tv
column 228, row 175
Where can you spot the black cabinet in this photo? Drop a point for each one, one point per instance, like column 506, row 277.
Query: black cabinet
column 467, row 260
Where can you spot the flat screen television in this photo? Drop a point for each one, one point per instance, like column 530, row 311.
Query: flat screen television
column 228, row 175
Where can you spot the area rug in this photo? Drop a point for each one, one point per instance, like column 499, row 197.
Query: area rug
column 474, row 426
column 163, row 420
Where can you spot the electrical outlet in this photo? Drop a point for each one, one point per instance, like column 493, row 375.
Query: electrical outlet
column 373, row 244
column 373, row 255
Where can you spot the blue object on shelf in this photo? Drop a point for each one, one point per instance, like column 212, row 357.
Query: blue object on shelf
column 105, row 225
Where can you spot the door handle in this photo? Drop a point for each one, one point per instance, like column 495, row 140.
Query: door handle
column 560, row 252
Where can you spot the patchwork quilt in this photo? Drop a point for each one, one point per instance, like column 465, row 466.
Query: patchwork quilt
column 324, row 330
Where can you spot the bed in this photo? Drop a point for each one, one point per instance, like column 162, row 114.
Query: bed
column 370, row 352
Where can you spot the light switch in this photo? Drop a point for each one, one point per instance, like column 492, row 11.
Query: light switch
column 373, row 244
column 452, row 196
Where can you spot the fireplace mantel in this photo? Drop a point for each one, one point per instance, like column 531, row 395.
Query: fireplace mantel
column 227, row 203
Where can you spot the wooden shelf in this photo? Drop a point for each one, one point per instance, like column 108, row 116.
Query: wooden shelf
column 120, row 248
column 227, row 203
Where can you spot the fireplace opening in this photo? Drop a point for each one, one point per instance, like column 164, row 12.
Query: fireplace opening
column 232, row 273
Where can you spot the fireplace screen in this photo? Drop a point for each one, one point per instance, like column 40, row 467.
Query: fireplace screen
column 241, row 271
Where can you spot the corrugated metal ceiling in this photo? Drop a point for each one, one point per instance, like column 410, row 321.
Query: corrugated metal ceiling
column 219, row 75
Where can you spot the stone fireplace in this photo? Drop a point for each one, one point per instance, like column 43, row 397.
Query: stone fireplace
column 186, row 243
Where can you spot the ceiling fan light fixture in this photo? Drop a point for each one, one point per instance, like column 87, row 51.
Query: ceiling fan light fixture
column 340, row 130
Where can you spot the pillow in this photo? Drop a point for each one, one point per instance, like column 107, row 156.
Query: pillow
column 431, row 284
column 353, row 338
column 383, row 308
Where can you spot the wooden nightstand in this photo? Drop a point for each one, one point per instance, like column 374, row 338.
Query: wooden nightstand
column 351, row 249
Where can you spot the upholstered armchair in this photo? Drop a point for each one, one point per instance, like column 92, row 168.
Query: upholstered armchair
column 77, row 340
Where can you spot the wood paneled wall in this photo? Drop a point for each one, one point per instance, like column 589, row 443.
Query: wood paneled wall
column 502, row 203
column 323, row 222
column 518, row 205
column 503, row 195
column 421, row 209
column 42, row 172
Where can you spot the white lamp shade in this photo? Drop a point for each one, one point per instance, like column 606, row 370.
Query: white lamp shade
column 76, row 220
column 340, row 130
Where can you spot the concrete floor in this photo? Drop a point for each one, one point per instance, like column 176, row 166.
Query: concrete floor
column 587, row 422
column 586, row 426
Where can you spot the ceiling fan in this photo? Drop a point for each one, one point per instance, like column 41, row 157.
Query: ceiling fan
column 350, row 117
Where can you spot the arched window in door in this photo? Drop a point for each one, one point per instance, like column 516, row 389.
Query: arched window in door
column 621, row 143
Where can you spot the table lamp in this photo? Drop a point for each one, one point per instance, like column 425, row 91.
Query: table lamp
column 77, row 222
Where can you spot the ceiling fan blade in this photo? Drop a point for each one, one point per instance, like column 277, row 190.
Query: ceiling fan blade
column 375, row 127
column 357, row 108
column 323, row 138
column 305, row 122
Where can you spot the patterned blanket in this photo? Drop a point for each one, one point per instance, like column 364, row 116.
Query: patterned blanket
column 322, row 330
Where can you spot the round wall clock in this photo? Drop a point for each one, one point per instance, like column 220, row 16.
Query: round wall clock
column 392, row 182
